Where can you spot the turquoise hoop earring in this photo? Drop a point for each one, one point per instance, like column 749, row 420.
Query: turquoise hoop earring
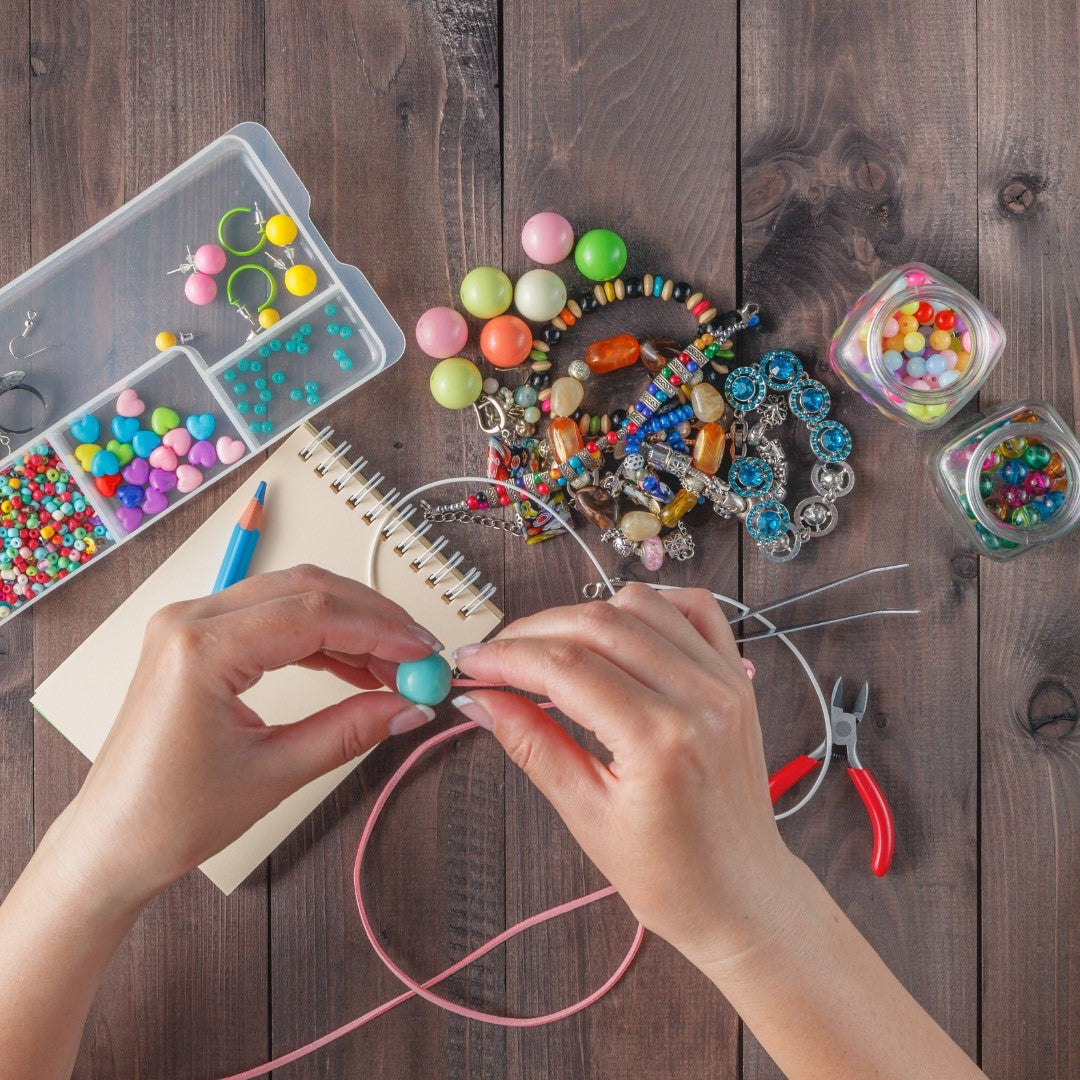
column 258, row 224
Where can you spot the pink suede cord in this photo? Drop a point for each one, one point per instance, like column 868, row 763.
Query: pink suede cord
column 416, row 989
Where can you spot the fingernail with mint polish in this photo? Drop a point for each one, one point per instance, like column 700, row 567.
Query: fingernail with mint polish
column 427, row 637
column 409, row 719
column 465, row 651
column 474, row 711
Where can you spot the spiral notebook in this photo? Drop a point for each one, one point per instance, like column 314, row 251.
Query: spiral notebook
column 310, row 478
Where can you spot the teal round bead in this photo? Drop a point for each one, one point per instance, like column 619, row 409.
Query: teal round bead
column 296, row 395
column 265, row 395
column 345, row 332
column 277, row 378
column 330, row 310
column 275, row 345
column 256, row 365
column 305, row 329
column 338, row 354
column 311, row 387
column 345, row 364
column 264, row 351
column 255, row 427
column 425, row 682
column 243, row 407
column 290, row 346
column 260, row 383
column 303, row 348
column 239, row 388
column 230, row 375
column 267, row 427
column 332, row 328
column 243, row 365
column 259, row 409
column 313, row 399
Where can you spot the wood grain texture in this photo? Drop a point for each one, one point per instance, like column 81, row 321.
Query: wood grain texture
column 605, row 121
column 1029, row 218
column 16, row 639
column 122, row 93
column 837, row 187
column 391, row 116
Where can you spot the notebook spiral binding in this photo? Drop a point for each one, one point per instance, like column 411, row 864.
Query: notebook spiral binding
column 465, row 591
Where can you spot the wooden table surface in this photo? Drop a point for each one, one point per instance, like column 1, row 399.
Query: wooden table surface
column 781, row 155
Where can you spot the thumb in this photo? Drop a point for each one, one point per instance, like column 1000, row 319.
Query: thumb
column 341, row 733
column 573, row 780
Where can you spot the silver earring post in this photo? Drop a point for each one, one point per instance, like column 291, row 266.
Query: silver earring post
column 28, row 326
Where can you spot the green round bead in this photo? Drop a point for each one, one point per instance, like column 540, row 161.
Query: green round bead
column 455, row 383
column 1037, row 455
column 425, row 682
column 486, row 292
column 600, row 255
column 986, row 485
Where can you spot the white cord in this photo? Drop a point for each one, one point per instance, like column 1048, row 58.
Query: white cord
column 743, row 608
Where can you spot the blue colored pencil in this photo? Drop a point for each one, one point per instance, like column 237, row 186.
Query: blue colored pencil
column 245, row 536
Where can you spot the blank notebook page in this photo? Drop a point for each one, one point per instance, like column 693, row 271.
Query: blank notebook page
column 83, row 696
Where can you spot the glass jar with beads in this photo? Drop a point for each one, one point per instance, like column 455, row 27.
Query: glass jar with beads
column 1010, row 479
column 917, row 346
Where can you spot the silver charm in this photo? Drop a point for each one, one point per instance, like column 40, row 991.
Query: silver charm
column 831, row 480
column 816, row 516
column 579, row 370
column 679, row 545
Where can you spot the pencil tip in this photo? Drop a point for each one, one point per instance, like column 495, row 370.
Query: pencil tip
column 260, row 492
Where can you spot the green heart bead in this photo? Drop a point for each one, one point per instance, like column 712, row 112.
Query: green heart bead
column 124, row 451
column 164, row 420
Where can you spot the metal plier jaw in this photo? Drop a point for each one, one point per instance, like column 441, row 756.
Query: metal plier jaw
column 844, row 732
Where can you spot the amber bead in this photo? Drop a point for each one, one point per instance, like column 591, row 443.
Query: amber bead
column 708, row 402
column 565, row 439
column 1055, row 467
column 597, row 506
column 612, row 353
column 708, row 449
column 683, row 502
column 656, row 352
column 639, row 525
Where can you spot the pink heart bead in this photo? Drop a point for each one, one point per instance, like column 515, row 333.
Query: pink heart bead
column 178, row 441
column 154, row 501
column 162, row 480
column 163, row 458
column 130, row 517
column 202, row 454
column 188, row 478
column 129, row 403
column 229, row 451
column 138, row 472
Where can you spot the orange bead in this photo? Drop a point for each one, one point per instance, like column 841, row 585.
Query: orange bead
column 567, row 316
column 506, row 341
column 708, row 448
column 896, row 344
column 908, row 324
column 1055, row 467
column 683, row 503
column 565, row 438
column 613, row 353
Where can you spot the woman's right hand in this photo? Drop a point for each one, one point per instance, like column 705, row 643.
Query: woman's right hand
column 680, row 821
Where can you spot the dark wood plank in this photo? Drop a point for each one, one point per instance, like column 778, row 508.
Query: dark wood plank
column 391, row 116
column 1029, row 169
column 123, row 93
column 596, row 126
column 839, row 185
column 16, row 638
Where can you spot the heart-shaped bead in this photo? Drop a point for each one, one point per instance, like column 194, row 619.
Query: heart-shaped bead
column 130, row 517
column 145, row 442
column 138, row 472
column 202, row 454
column 162, row 480
column 163, row 458
column 229, row 451
column 105, row 463
column 188, row 478
column 129, row 403
column 84, row 454
column 107, row 485
column 124, row 428
column 123, row 451
column 163, row 419
column 86, row 430
column 154, row 501
column 129, row 495
column 201, row 425
column 178, row 441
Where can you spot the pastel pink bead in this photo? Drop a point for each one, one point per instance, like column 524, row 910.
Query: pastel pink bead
column 891, row 329
column 442, row 332
column 200, row 289
column 652, row 553
column 916, row 278
column 547, row 237
column 209, row 259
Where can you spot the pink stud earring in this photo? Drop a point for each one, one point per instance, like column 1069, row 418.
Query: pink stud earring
column 200, row 287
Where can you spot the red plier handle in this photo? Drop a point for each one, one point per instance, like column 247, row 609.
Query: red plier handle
column 881, row 819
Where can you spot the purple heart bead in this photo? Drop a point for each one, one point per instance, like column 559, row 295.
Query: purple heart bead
column 138, row 472
column 129, row 495
column 202, row 454
column 154, row 501
column 162, row 480
column 130, row 517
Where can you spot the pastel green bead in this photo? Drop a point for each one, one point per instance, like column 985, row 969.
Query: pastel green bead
column 456, row 382
column 600, row 254
column 425, row 682
column 486, row 292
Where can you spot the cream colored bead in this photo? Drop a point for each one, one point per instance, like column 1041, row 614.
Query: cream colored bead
column 694, row 300
column 646, row 285
column 540, row 366
column 566, row 395
column 620, row 289
column 708, row 402
column 638, row 525
column 575, row 308
column 667, row 290
column 598, row 292
column 706, row 316
column 543, row 346
column 558, row 323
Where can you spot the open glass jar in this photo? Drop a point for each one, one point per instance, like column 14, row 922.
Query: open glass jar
column 916, row 345
column 1010, row 479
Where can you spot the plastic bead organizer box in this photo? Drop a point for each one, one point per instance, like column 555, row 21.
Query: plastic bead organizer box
column 98, row 304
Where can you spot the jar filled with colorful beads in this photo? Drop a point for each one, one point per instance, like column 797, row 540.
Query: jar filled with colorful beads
column 917, row 346
column 1010, row 479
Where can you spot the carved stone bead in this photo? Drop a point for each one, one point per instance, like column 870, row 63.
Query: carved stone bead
column 637, row 525
column 612, row 353
column 566, row 395
column 597, row 506
column 708, row 402
column 656, row 352
column 565, row 439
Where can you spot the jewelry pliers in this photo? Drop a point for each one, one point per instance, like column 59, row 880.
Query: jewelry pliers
column 844, row 725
